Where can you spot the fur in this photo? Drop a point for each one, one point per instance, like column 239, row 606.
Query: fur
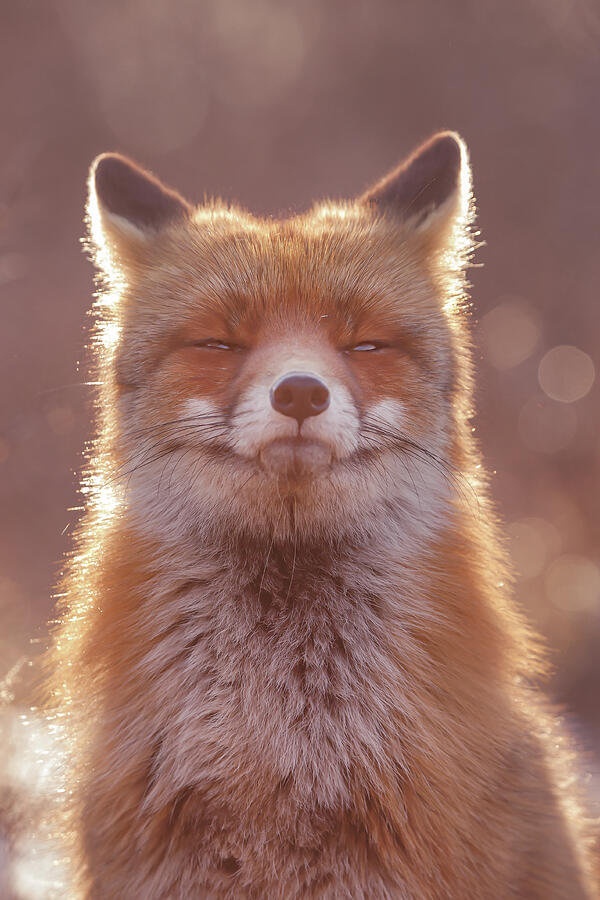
column 288, row 663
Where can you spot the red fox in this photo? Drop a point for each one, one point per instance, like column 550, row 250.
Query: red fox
column 288, row 663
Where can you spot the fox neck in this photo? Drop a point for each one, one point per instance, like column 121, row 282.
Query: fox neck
column 270, row 664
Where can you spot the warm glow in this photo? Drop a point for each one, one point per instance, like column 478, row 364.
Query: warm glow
column 573, row 584
column 109, row 334
column 270, row 107
column 566, row 374
column 32, row 767
column 510, row 333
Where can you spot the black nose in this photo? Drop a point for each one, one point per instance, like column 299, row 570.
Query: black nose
column 299, row 395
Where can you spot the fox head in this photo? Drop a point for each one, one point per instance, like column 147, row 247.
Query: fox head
column 275, row 377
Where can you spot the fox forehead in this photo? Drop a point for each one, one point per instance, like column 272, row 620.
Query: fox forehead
column 351, row 272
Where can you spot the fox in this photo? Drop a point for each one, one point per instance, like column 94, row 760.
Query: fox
column 287, row 662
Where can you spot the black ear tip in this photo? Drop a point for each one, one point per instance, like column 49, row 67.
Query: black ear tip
column 450, row 141
column 109, row 167
column 127, row 190
column 443, row 151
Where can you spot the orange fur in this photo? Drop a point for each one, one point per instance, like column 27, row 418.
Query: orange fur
column 288, row 663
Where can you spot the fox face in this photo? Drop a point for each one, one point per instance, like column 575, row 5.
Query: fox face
column 283, row 376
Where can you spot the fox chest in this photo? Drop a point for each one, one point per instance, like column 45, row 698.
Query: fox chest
column 270, row 691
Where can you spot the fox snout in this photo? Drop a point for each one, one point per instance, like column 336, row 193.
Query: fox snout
column 299, row 395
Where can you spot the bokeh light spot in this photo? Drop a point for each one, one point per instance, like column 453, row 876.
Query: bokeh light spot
column 510, row 333
column 573, row 583
column 566, row 373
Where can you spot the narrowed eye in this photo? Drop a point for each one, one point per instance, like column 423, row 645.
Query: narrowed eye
column 364, row 347
column 214, row 344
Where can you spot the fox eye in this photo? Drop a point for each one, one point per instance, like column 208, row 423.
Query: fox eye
column 364, row 347
column 213, row 344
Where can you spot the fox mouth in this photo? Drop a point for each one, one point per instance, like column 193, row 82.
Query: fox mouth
column 295, row 459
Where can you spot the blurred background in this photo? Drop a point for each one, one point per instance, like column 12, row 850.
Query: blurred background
column 274, row 104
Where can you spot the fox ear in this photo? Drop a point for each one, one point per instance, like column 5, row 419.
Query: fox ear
column 128, row 205
column 430, row 188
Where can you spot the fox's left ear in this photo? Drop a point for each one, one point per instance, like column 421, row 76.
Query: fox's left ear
column 127, row 206
column 430, row 189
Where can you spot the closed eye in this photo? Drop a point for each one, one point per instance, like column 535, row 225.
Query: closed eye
column 365, row 346
column 215, row 344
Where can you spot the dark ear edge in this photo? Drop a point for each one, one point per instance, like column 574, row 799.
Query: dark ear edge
column 424, row 182
column 136, row 196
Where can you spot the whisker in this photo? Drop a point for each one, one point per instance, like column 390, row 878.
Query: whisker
column 196, row 474
column 183, row 430
column 174, row 469
column 199, row 417
column 409, row 473
column 250, row 477
column 412, row 448
column 144, row 459
column 177, row 435
column 139, row 465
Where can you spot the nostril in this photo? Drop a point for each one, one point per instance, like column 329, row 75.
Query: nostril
column 299, row 395
column 283, row 396
column 320, row 398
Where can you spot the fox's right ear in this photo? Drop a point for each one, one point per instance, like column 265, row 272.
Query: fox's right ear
column 127, row 206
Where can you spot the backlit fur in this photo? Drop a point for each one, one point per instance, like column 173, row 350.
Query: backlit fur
column 299, row 687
